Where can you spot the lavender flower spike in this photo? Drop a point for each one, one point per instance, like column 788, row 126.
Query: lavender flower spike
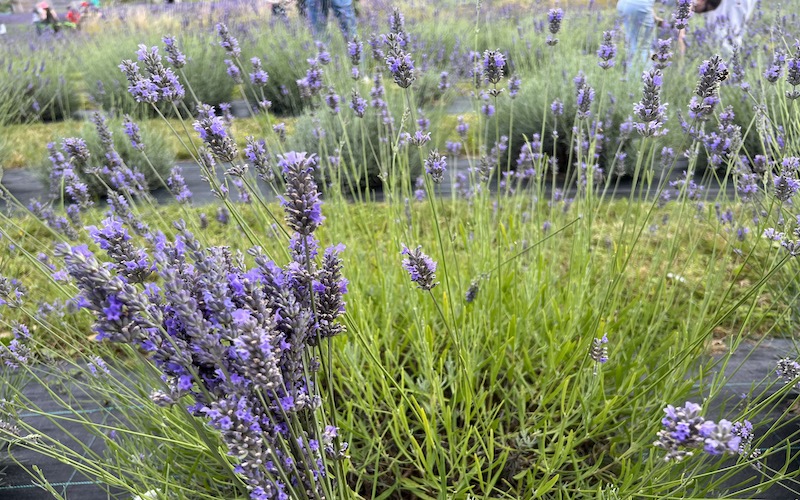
column 399, row 61
column 213, row 133
column 650, row 111
column 436, row 165
column 706, row 97
column 682, row 14
column 554, row 18
column 607, row 50
column 301, row 200
column 493, row 64
column 420, row 267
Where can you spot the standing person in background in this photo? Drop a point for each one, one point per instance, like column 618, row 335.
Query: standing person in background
column 639, row 21
column 279, row 8
column 44, row 15
column 342, row 9
column 728, row 23
column 700, row 7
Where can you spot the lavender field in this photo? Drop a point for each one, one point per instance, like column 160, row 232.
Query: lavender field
column 478, row 250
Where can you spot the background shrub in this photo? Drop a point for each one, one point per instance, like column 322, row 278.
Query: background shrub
column 157, row 150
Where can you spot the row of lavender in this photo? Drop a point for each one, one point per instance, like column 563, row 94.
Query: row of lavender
column 547, row 378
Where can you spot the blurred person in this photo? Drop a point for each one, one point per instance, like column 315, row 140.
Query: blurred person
column 728, row 23
column 342, row 9
column 45, row 16
column 279, row 8
column 700, row 7
column 73, row 15
column 639, row 21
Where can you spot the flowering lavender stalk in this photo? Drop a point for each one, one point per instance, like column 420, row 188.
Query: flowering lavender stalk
column 685, row 429
column 311, row 84
column 397, row 27
column 77, row 151
column 788, row 370
column 174, row 56
column 436, row 165
column 793, row 73
column 355, row 50
column 775, row 71
column 650, row 112
column 706, row 97
column 256, row 153
column 401, row 66
column 258, row 76
column 607, row 51
column 462, row 127
column 301, row 200
column 662, row 58
column 554, row 18
column 330, row 288
column 786, row 186
column 177, row 185
column 132, row 131
column 332, row 100
column 142, row 89
column 514, row 84
column 584, row 96
column 358, row 104
column 599, row 352
column 227, row 41
column 213, row 133
column 444, row 81
column 493, row 64
column 682, row 14
column 724, row 142
column 132, row 263
column 11, row 292
column 162, row 78
column 420, row 267
column 233, row 71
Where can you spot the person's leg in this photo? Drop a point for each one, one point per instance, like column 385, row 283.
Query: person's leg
column 646, row 34
column 345, row 13
column 318, row 16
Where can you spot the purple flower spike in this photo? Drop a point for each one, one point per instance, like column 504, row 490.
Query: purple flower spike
column 420, row 267
column 301, row 200
column 436, row 165
column 607, row 51
column 650, row 112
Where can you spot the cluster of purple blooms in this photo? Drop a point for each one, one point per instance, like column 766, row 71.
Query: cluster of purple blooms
column 584, row 96
column 789, row 371
column 420, row 267
column 399, row 61
column 651, row 114
column 793, row 73
column 607, row 51
column 235, row 345
column 214, row 135
column 706, row 98
column 686, row 430
column 554, row 18
column 160, row 85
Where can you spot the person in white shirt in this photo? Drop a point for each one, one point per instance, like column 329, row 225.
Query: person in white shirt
column 728, row 21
